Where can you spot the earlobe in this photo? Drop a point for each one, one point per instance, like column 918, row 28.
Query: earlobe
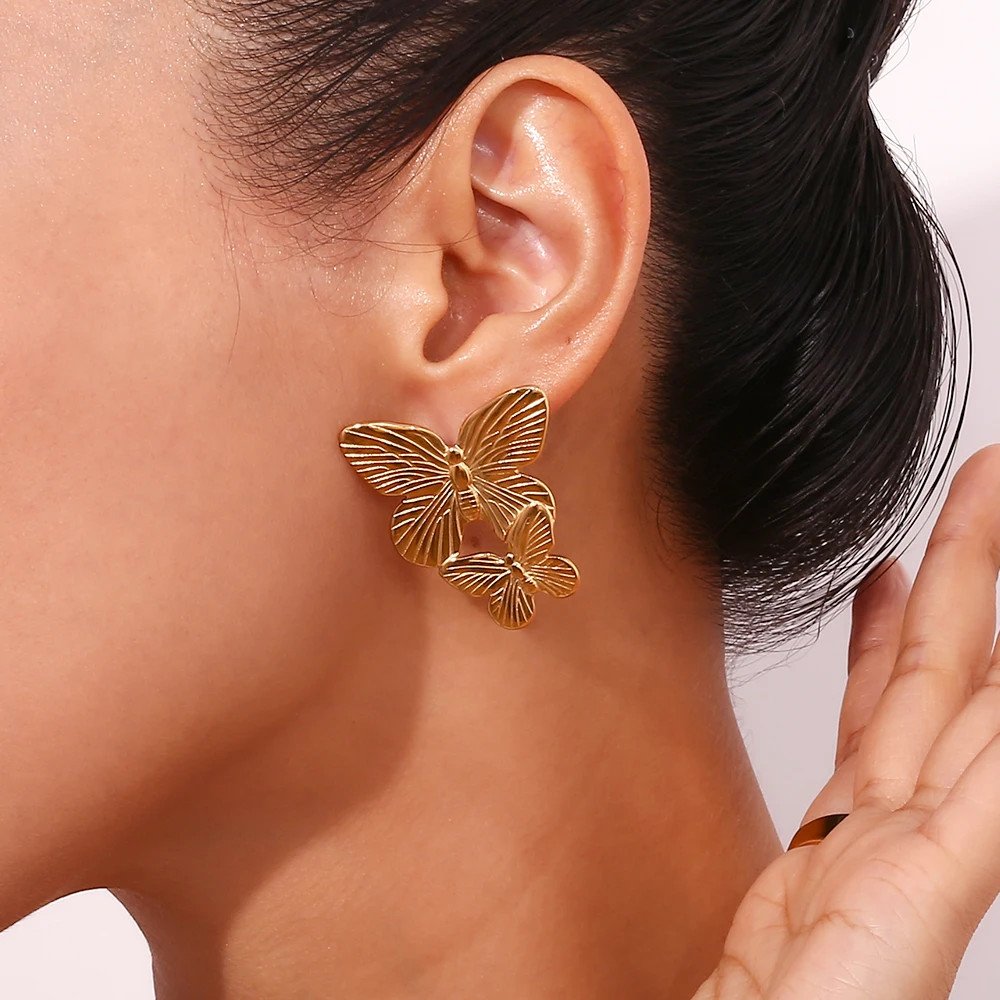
column 538, row 193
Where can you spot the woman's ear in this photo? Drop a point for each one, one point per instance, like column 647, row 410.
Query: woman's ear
column 536, row 189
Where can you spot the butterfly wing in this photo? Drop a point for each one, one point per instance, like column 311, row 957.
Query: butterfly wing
column 396, row 459
column 511, row 605
column 497, row 440
column 531, row 538
column 556, row 575
column 532, row 534
column 478, row 574
column 504, row 499
column 426, row 528
column 506, row 433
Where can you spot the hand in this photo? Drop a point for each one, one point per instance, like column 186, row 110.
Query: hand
column 884, row 907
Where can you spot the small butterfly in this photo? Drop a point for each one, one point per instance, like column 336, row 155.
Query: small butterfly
column 442, row 487
column 511, row 581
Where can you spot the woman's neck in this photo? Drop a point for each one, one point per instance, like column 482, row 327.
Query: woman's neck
column 570, row 813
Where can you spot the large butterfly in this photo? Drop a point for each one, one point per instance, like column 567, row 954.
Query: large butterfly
column 442, row 487
column 512, row 581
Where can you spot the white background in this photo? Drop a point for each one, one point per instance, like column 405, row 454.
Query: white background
column 939, row 100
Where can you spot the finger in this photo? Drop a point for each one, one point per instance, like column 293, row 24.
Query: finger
column 876, row 625
column 876, row 622
column 961, row 741
column 966, row 827
column 947, row 635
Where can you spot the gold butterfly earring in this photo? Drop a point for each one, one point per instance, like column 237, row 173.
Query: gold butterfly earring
column 441, row 487
column 511, row 582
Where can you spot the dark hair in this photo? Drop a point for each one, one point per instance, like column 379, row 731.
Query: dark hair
column 802, row 334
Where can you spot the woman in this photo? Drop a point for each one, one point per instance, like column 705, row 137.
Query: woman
column 246, row 691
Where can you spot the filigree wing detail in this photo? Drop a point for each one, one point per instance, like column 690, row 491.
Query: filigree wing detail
column 556, row 575
column 511, row 605
column 506, row 433
column 504, row 499
column 531, row 536
column 479, row 574
column 427, row 529
column 396, row 459
column 530, row 540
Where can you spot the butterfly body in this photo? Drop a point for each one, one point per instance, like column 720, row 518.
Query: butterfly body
column 519, row 575
column 462, row 482
column 444, row 487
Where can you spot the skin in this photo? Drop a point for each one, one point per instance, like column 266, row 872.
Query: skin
column 886, row 905
column 297, row 759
